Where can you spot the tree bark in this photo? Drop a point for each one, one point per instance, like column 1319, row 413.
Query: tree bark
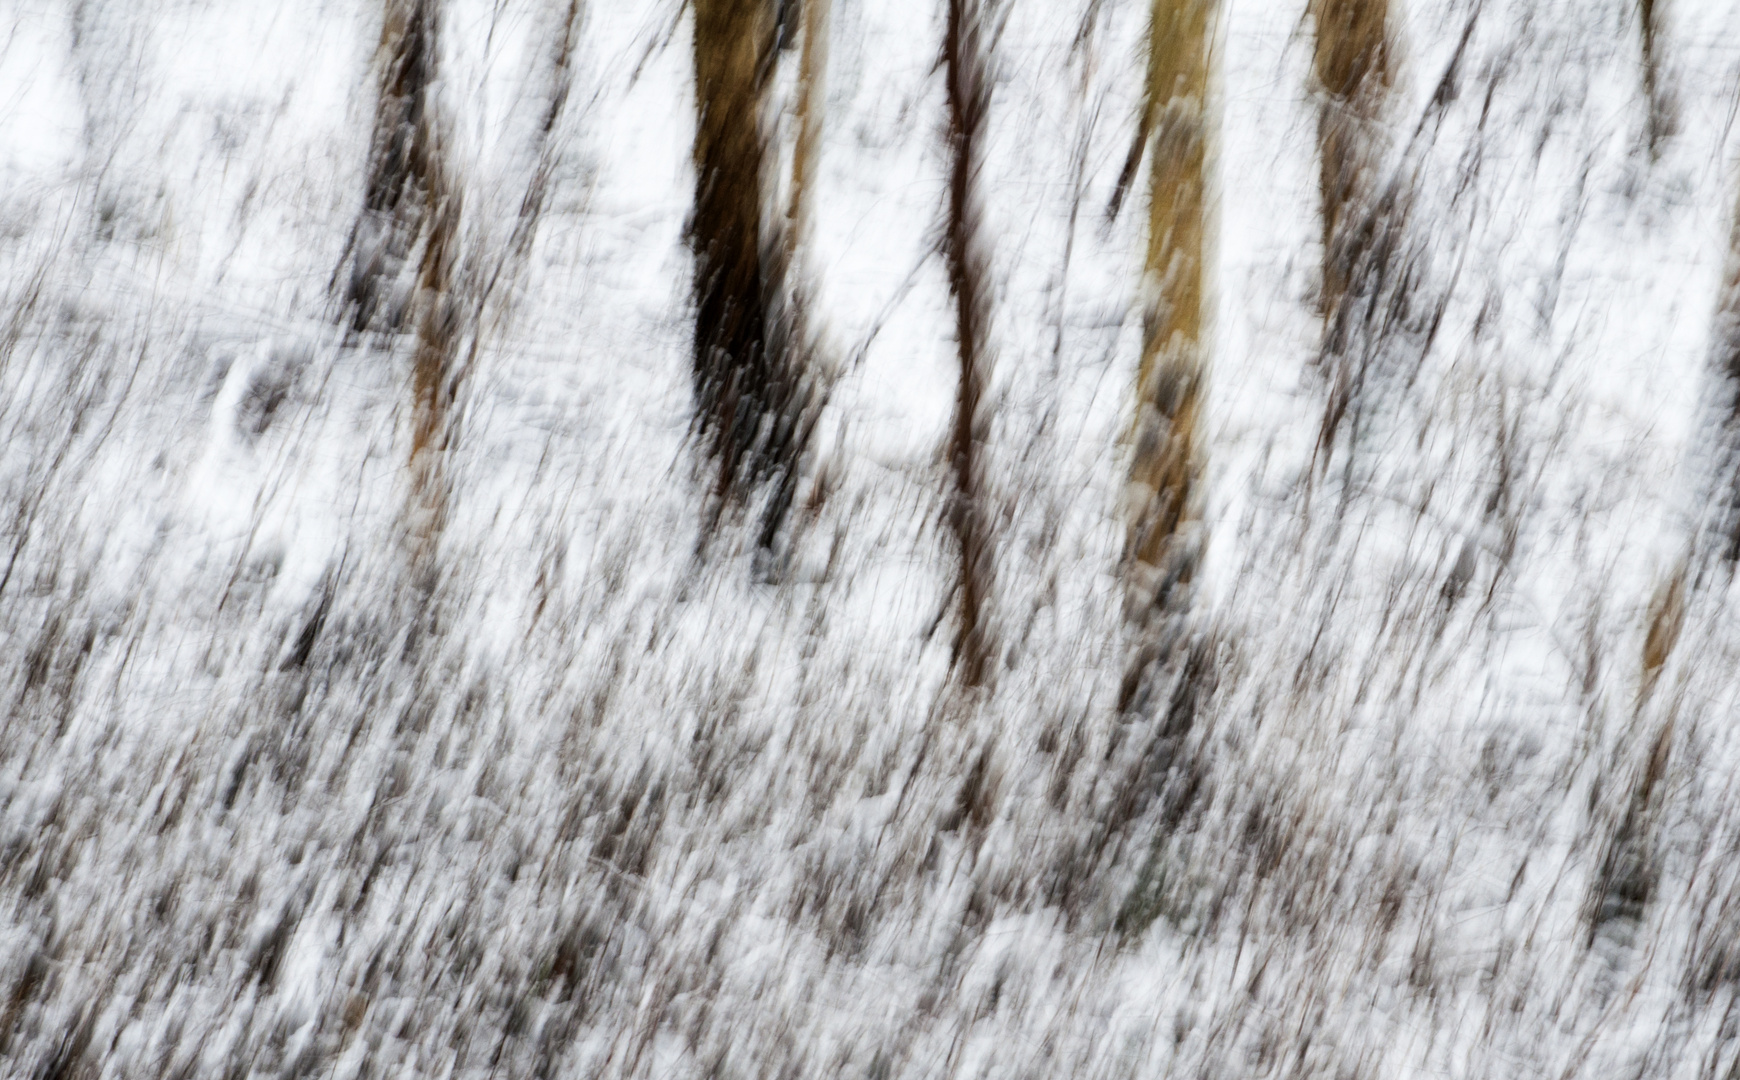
column 412, row 208
column 749, row 392
column 1165, row 476
column 1352, row 67
column 968, row 104
column 402, row 167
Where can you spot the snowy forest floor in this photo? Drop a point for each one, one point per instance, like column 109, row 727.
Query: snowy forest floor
column 1445, row 787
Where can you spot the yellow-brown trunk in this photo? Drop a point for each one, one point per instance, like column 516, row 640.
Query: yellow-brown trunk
column 733, row 49
column 811, row 109
column 411, row 206
column 1352, row 67
column 1166, row 469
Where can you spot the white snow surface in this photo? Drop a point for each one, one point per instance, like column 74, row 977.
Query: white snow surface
column 604, row 798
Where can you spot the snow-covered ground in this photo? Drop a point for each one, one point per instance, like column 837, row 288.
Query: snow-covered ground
column 598, row 799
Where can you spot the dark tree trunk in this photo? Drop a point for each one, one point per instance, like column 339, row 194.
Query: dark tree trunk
column 1352, row 68
column 968, row 103
column 403, row 166
column 750, row 395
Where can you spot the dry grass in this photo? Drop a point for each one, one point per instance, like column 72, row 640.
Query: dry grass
column 619, row 819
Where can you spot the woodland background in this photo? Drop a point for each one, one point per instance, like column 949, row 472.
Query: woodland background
column 991, row 538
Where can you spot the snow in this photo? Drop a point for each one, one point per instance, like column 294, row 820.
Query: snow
column 594, row 796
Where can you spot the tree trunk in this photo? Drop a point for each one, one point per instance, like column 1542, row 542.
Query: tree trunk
column 811, row 18
column 400, row 185
column 811, row 111
column 749, row 393
column 434, row 373
column 1661, row 121
column 1352, row 69
column 1163, row 546
column 411, row 207
column 968, row 102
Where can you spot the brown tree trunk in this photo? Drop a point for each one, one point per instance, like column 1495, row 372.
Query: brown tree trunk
column 1352, row 72
column 968, row 103
column 401, row 166
column 750, row 397
column 434, row 374
column 1661, row 121
column 811, row 18
column 411, row 207
column 811, row 112
column 1162, row 547
column 1351, row 64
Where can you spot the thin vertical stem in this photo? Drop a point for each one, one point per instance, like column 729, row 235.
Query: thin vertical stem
column 811, row 113
column 968, row 104
column 1661, row 121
